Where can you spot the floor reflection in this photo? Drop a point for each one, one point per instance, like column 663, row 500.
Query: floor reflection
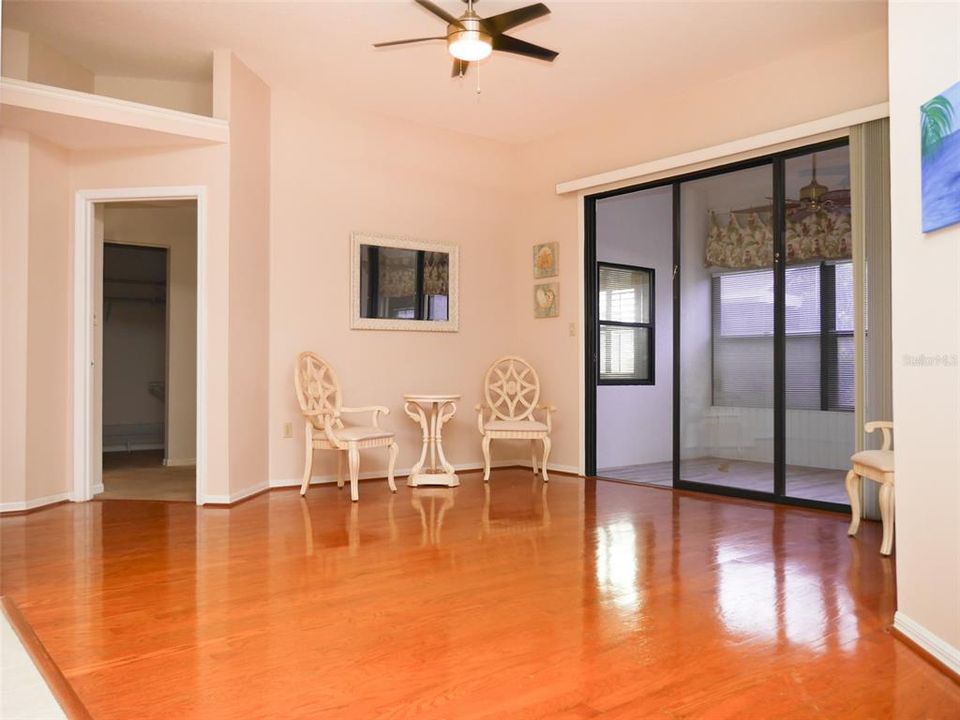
column 512, row 510
column 432, row 504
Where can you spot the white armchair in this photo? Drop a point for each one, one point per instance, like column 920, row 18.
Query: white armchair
column 511, row 389
column 318, row 391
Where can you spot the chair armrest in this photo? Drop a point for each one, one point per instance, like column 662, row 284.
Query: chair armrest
column 480, row 408
column 885, row 426
column 377, row 411
column 548, row 410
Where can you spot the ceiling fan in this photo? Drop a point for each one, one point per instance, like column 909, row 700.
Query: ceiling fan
column 471, row 38
column 816, row 197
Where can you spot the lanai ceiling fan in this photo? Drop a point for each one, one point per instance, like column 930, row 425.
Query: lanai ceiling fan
column 471, row 38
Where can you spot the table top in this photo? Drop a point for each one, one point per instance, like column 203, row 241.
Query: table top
column 430, row 398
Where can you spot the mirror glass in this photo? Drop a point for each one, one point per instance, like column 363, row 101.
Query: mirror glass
column 404, row 284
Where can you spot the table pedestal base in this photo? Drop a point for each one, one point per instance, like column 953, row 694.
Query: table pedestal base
column 431, row 478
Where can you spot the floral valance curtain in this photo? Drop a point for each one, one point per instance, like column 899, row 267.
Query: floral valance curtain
column 436, row 267
column 398, row 273
column 745, row 240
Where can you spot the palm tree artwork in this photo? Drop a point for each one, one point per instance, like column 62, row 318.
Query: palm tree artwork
column 940, row 159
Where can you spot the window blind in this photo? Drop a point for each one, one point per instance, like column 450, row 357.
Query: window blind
column 625, row 308
column 818, row 343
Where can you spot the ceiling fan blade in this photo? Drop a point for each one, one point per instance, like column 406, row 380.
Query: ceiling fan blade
column 440, row 13
column 505, row 43
column 459, row 67
column 407, row 42
column 504, row 21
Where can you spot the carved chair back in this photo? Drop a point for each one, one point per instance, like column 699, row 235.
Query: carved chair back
column 512, row 388
column 318, row 389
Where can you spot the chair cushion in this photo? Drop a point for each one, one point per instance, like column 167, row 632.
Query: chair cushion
column 881, row 460
column 515, row 426
column 361, row 432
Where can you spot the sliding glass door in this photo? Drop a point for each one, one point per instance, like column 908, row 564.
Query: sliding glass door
column 819, row 342
column 726, row 348
column 763, row 326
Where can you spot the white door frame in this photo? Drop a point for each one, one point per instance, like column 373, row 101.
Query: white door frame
column 84, row 276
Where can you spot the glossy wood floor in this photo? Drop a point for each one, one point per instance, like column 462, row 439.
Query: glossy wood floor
column 585, row 599
column 802, row 482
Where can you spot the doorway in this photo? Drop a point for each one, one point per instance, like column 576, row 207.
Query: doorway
column 148, row 350
column 762, row 323
column 139, row 350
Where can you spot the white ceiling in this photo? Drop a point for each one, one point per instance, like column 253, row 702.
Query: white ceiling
column 614, row 56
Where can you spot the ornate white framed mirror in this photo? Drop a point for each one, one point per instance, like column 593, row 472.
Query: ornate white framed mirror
column 399, row 283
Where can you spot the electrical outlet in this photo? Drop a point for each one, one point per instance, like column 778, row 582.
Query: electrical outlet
column 573, row 329
column 288, row 430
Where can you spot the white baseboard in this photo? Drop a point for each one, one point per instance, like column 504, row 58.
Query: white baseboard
column 403, row 472
column 132, row 447
column 237, row 495
column 557, row 467
column 20, row 506
column 373, row 474
column 933, row 644
column 369, row 475
column 179, row 462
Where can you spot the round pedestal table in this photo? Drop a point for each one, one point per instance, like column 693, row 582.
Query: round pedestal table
column 432, row 412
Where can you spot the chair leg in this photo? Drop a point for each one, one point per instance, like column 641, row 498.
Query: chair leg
column 353, row 458
column 486, row 458
column 340, row 454
column 887, row 515
column 394, row 449
column 546, row 454
column 533, row 455
column 853, row 492
column 307, row 465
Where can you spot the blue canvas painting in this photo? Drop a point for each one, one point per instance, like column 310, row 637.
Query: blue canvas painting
column 940, row 159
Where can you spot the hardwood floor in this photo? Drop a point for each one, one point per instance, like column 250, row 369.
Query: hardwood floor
column 802, row 482
column 584, row 599
column 141, row 475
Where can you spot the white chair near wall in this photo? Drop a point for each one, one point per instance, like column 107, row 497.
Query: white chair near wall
column 318, row 391
column 511, row 389
column 876, row 465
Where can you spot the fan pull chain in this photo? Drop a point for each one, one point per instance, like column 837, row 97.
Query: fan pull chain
column 478, row 84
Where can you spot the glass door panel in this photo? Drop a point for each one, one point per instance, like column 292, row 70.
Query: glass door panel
column 726, row 363
column 819, row 342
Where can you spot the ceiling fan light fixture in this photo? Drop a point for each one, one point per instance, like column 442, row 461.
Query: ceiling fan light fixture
column 469, row 45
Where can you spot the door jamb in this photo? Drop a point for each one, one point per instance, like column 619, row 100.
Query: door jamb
column 84, row 337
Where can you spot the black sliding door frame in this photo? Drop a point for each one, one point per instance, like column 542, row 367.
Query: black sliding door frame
column 777, row 162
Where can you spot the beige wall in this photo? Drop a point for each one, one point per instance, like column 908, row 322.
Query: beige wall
column 768, row 97
column 14, row 229
column 36, row 413
column 335, row 172
column 249, row 277
column 924, row 48
column 175, row 228
column 27, row 57
column 15, row 54
column 191, row 97
column 37, row 277
column 207, row 167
